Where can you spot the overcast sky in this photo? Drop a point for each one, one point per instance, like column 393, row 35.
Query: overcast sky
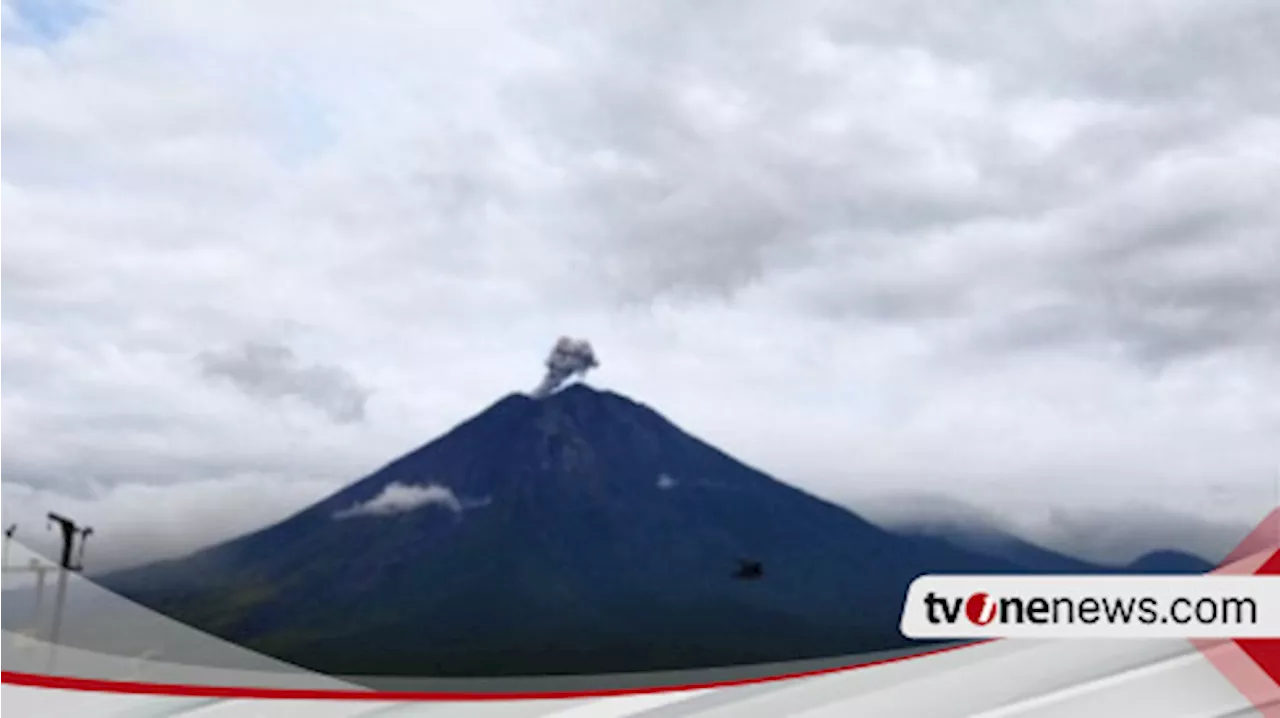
column 1026, row 254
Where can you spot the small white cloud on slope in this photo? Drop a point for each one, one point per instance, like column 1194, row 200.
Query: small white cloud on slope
column 398, row 498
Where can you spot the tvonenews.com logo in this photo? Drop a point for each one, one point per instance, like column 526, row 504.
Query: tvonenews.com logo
column 1092, row 606
column 982, row 609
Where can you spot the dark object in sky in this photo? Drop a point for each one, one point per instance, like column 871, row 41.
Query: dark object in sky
column 748, row 570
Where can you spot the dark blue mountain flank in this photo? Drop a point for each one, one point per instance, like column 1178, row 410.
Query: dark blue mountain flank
column 1169, row 562
column 580, row 533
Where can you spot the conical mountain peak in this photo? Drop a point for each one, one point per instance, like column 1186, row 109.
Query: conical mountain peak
column 608, row 525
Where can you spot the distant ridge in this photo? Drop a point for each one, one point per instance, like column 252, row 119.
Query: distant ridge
column 971, row 528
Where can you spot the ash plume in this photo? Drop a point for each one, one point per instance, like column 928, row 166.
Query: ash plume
column 568, row 357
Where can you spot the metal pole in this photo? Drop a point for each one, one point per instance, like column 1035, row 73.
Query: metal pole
column 84, row 539
column 56, row 628
column 69, row 531
column 35, row 612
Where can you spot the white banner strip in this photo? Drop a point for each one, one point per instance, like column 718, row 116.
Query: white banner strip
column 958, row 607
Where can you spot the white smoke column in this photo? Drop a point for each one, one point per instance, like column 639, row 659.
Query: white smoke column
column 568, row 357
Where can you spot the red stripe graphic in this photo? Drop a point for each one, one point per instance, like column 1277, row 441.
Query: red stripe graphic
column 1252, row 665
column 194, row 691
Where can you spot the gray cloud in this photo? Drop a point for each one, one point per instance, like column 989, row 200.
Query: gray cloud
column 1116, row 535
column 272, row 371
column 1008, row 253
column 1013, row 198
column 1128, row 532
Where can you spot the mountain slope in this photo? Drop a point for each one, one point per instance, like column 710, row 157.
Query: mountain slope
column 578, row 533
column 1169, row 562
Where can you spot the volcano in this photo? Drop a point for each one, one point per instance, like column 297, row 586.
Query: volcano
column 578, row 533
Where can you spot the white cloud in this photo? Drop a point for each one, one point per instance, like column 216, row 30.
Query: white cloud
column 397, row 498
column 1024, row 263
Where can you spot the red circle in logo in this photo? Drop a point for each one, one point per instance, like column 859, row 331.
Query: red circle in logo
column 976, row 609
